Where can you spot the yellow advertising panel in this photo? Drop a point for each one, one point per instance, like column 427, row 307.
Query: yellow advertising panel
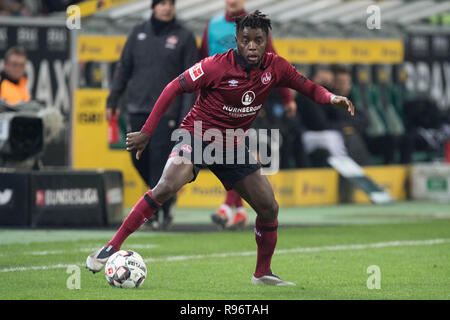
column 206, row 191
column 90, row 143
column 304, row 51
column 291, row 188
column 391, row 178
column 100, row 47
column 316, row 186
column 91, row 7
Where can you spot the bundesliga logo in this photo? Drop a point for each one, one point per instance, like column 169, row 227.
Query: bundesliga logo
column 196, row 71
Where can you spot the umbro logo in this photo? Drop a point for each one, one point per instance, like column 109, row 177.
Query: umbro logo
column 233, row 83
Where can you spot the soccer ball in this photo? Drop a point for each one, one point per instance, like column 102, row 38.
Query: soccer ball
column 125, row 269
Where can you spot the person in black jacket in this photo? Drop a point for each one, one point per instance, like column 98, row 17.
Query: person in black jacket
column 155, row 52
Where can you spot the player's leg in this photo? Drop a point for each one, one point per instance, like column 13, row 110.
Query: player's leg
column 223, row 215
column 175, row 175
column 240, row 216
column 143, row 165
column 257, row 191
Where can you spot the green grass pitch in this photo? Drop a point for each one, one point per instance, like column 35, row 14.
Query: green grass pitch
column 326, row 251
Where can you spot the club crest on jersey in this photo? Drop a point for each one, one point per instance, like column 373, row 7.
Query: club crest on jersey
column 141, row 36
column 171, row 42
column 248, row 98
column 266, row 77
column 196, row 71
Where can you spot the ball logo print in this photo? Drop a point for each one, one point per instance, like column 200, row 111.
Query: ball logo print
column 125, row 269
column 248, row 98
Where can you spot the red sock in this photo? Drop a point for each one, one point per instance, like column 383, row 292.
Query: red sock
column 229, row 200
column 238, row 201
column 266, row 239
column 142, row 211
column 233, row 199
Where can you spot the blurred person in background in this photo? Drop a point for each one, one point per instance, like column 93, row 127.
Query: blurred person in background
column 427, row 129
column 321, row 137
column 218, row 37
column 155, row 52
column 351, row 128
column 14, row 8
column 13, row 80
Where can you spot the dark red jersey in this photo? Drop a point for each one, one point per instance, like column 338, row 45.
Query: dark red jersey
column 230, row 93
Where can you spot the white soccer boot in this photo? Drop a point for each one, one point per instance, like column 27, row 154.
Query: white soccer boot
column 96, row 261
column 271, row 280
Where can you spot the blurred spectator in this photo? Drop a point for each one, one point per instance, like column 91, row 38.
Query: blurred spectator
column 331, row 130
column 427, row 129
column 156, row 52
column 352, row 128
column 13, row 8
column 13, row 80
column 33, row 7
column 50, row 6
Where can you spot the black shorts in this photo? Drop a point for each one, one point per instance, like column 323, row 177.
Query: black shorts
column 230, row 167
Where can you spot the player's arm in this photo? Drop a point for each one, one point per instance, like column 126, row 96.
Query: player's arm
column 138, row 140
column 189, row 81
column 190, row 57
column 293, row 79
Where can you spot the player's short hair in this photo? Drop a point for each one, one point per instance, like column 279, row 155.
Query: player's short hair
column 16, row 50
column 254, row 20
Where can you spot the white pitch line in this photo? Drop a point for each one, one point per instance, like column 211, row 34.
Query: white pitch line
column 50, row 252
column 249, row 253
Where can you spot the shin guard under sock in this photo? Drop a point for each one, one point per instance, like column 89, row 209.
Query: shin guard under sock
column 142, row 211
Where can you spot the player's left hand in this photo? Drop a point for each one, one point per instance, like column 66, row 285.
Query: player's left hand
column 343, row 102
column 290, row 109
column 137, row 141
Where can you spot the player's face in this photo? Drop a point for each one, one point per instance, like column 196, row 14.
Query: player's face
column 251, row 44
column 164, row 10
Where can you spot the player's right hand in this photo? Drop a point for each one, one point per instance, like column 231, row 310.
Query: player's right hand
column 137, row 141
column 110, row 112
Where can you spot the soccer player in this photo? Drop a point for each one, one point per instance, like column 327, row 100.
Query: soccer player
column 218, row 37
column 233, row 86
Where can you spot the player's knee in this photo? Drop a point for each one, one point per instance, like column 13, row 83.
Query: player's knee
column 164, row 190
column 269, row 211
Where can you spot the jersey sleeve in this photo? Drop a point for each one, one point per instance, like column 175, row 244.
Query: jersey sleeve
column 200, row 75
column 289, row 77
